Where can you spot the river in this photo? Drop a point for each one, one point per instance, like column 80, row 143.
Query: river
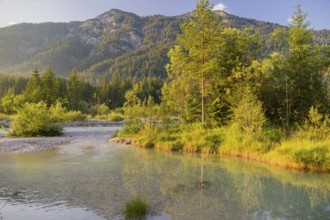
column 91, row 179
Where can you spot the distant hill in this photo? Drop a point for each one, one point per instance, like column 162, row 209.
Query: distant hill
column 115, row 42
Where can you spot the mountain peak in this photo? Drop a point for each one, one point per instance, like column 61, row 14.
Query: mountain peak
column 115, row 40
column 116, row 12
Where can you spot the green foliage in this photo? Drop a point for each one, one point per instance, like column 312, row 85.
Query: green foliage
column 316, row 127
column 297, row 77
column 115, row 117
column 203, row 68
column 58, row 111
column 74, row 90
column 134, row 111
column 72, row 116
column 7, row 103
column 15, row 83
column 35, row 119
column 249, row 115
column 136, row 208
column 315, row 156
column 103, row 109
column 5, row 117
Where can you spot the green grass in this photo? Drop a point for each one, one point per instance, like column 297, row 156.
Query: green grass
column 296, row 151
column 136, row 208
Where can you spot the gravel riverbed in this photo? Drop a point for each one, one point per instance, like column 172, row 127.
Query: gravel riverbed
column 27, row 145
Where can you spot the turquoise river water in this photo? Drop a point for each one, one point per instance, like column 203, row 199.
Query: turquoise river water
column 92, row 179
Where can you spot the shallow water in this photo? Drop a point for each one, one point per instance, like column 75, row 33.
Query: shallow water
column 91, row 179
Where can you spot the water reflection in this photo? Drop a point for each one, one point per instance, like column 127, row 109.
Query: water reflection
column 92, row 180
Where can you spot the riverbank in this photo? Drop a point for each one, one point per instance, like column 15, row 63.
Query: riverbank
column 70, row 135
column 295, row 152
column 28, row 145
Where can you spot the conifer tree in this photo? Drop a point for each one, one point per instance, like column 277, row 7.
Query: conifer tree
column 74, row 90
column 33, row 90
column 195, row 57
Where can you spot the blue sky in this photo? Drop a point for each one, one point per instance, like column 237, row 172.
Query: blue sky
column 278, row 11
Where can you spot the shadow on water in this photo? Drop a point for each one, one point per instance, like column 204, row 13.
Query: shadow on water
column 93, row 179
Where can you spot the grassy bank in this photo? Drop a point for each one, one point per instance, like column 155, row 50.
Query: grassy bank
column 299, row 151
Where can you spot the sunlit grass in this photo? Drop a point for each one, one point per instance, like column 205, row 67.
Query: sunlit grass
column 295, row 152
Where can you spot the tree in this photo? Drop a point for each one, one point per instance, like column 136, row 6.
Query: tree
column 33, row 90
column 202, row 66
column 303, row 67
column 249, row 115
column 50, row 89
column 195, row 58
column 296, row 80
column 104, row 90
column 74, row 90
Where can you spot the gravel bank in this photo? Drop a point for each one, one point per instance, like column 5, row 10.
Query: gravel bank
column 27, row 145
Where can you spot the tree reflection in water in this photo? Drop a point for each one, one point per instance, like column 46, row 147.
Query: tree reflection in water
column 174, row 185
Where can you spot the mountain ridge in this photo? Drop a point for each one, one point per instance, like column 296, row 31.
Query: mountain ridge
column 115, row 42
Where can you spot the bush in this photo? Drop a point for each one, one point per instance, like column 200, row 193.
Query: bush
column 58, row 111
column 136, row 208
column 74, row 116
column 5, row 117
column 35, row 119
column 115, row 117
column 316, row 126
column 249, row 115
column 103, row 109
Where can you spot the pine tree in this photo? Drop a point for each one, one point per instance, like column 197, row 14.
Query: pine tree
column 303, row 67
column 50, row 89
column 33, row 90
column 195, row 57
column 74, row 90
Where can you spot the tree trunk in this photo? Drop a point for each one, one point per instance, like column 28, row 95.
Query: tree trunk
column 203, row 101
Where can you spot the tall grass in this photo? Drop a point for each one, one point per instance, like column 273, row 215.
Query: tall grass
column 136, row 208
column 296, row 151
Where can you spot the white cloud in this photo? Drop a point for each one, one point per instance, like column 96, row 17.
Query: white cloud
column 219, row 7
column 289, row 20
column 12, row 23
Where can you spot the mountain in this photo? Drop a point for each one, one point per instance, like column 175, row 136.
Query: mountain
column 116, row 41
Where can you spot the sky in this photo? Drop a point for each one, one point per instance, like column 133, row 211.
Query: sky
column 277, row 11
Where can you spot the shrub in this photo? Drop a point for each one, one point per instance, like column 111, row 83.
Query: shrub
column 5, row 117
column 115, row 117
column 316, row 127
column 35, row 119
column 99, row 109
column 249, row 115
column 136, row 208
column 103, row 109
column 74, row 116
column 58, row 111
